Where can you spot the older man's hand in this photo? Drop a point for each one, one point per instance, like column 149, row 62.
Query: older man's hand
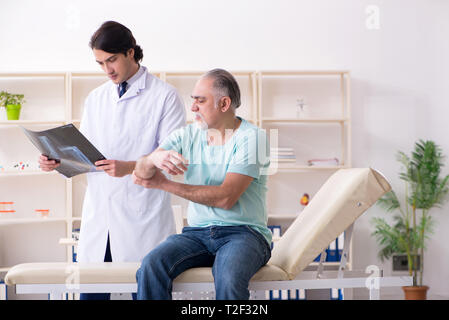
column 168, row 160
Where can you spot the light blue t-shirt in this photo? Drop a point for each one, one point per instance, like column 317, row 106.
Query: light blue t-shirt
column 247, row 153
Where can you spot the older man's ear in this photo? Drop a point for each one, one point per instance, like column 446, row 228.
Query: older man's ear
column 224, row 104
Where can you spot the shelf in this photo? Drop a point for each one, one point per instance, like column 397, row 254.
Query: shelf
column 295, row 168
column 200, row 73
column 32, row 74
column 89, row 74
column 100, row 74
column 13, row 173
column 304, row 73
column 68, row 241
column 9, row 221
column 283, row 216
column 305, row 120
column 31, row 122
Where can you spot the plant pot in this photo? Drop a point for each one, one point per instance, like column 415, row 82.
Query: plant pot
column 415, row 292
column 13, row 111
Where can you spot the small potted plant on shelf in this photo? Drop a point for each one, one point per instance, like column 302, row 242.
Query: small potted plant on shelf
column 12, row 103
column 413, row 222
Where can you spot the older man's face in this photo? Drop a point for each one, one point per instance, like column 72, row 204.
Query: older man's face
column 204, row 104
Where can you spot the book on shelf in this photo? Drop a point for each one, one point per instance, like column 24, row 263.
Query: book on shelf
column 282, row 160
column 323, row 162
column 281, row 149
column 286, row 156
column 282, row 155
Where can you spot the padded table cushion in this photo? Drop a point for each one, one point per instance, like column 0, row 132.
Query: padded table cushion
column 63, row 272
column 338, row 203
column 110, row 272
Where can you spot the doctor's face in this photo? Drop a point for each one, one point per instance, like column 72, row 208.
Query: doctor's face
column 117, row 66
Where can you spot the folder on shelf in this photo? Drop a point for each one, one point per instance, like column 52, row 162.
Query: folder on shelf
column 281, row 149
column 340, row 245
column 67, row 145
column 323, row 162
column 3, row 292
column 336, row 294
column 331, row 252
column 276, row 232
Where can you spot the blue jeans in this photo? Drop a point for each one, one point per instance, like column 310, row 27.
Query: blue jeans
column 235, row 254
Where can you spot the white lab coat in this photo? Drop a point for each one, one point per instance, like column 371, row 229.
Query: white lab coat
column 127, row 128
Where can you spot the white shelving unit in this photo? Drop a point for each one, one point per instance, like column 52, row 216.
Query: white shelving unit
column 321, row 130
column 269, row 100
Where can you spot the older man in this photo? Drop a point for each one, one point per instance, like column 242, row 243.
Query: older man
column 226, row 185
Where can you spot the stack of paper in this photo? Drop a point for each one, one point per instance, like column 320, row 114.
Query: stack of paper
column 282, row 155
column 323, row 162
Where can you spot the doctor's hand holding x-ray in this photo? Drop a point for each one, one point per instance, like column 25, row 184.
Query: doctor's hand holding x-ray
column 116, row 168
column 47, row 164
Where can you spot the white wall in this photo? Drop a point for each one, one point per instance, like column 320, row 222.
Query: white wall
column 400, row 70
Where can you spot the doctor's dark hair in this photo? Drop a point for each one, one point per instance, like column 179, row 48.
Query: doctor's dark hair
column 225, row 85
column 114, row 37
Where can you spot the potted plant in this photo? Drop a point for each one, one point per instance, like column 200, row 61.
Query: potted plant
column 413, row 222
column 12, row 103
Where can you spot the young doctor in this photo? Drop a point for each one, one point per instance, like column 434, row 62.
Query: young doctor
column 125, row 118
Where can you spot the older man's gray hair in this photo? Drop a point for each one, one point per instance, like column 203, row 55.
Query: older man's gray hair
column 225, row 85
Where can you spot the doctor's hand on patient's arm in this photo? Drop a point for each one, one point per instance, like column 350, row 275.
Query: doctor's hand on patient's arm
column 168, row 160
column 47, row 165
column 116, row 168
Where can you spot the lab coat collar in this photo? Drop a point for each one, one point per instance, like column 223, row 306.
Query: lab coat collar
column 135, row 88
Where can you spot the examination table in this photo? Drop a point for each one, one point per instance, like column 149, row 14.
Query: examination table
column 333, row 210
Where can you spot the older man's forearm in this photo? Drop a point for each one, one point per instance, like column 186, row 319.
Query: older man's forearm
column 212, row 196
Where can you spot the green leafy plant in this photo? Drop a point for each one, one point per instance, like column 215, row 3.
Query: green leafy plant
column 413, row 224
column 7, row 98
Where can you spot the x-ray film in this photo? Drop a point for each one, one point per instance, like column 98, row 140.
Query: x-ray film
column 67, row 145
